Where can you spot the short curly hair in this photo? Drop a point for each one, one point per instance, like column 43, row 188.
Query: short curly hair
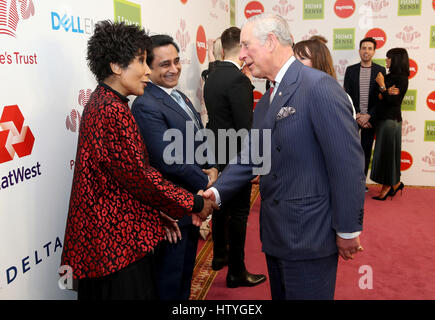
column 115, row 42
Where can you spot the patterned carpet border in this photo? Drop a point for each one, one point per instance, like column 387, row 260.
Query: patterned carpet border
column 203, row 274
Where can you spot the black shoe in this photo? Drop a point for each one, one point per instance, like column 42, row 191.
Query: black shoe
column 400, row 187
column 389, row 193
column 219, row 263
column 246, row 279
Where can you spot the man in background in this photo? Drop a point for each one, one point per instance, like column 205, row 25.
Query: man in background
column 360, row 83
column 228, row 96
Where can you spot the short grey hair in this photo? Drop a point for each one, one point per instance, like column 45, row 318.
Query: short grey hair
column 266, row 23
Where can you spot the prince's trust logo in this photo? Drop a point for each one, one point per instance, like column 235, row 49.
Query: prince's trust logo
column 12, row 12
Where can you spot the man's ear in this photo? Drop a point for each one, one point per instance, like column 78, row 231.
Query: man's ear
column 271, row 41
column 116, row 69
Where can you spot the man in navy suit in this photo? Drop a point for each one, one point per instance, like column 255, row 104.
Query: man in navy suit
column 160, row 110
column 312, row 197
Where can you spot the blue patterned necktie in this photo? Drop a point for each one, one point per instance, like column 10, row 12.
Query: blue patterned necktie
column 179, row 99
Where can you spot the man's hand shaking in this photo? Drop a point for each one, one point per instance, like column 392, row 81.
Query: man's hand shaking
column 209, row 206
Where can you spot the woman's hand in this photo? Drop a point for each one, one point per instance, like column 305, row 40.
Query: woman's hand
column 380, row 79
column 393, row 91
column 172, row 231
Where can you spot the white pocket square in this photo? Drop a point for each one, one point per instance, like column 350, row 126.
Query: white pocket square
column 285, row 112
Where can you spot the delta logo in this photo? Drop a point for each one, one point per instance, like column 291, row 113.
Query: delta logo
column 406, row 161
column 11, row 15
column 253, row 8
column 15, row 138
column 183, row 1
column 433, row 4
column 413, row 68
column 431, row 101
column 201, row 47
column 379, row 35
column 344, row 8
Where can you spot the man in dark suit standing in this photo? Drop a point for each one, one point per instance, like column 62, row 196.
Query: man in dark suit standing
column 161, row 110
column 228, row 96
column 312, row 182
column 360, row 83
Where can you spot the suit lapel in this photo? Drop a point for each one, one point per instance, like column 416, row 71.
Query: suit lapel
column 285, row 91
column 166, row 100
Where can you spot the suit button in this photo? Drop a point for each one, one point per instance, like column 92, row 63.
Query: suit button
column 274, row 176
column 278, row 149
column 275, row 201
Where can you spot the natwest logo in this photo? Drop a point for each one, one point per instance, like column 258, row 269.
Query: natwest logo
column 14, row 137
column 10, row 15
column 431, row 101
column 406, row 161
column 201, row 47
column 413, row 68
column 253, row 8
column 344, row 8
column 379, row 35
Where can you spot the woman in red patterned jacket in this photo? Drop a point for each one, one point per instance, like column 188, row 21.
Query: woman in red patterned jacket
column 114, row 213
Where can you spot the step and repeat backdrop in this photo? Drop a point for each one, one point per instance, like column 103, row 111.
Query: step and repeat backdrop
column 408, row 24
column 45, row 83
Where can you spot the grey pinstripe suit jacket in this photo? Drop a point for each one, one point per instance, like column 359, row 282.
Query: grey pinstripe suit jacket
column 316, row 184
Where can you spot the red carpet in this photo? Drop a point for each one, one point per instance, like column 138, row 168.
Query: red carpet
column 399, row 250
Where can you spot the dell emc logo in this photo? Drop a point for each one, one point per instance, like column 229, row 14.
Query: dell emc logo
column 71, row 23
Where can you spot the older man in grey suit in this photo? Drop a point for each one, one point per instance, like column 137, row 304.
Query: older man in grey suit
column 313, row 195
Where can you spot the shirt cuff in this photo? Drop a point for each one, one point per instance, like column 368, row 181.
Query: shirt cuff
column 216, row 195
column 348, row 236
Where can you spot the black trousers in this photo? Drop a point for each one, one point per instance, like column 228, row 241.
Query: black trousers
column 229, row 230
column 367, row 138
column 137, row 281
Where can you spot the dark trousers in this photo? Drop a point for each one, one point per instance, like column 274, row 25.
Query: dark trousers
column 229, row 230
column 367, row 138
column 303, row 279
column 137, row 281
column 175, row 264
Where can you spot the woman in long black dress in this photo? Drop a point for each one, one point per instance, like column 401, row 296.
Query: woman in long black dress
column 387, row 154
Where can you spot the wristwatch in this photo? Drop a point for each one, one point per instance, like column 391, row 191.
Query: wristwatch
column 382, row 88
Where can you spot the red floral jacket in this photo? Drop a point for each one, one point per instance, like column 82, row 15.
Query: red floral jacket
column 116, row 195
